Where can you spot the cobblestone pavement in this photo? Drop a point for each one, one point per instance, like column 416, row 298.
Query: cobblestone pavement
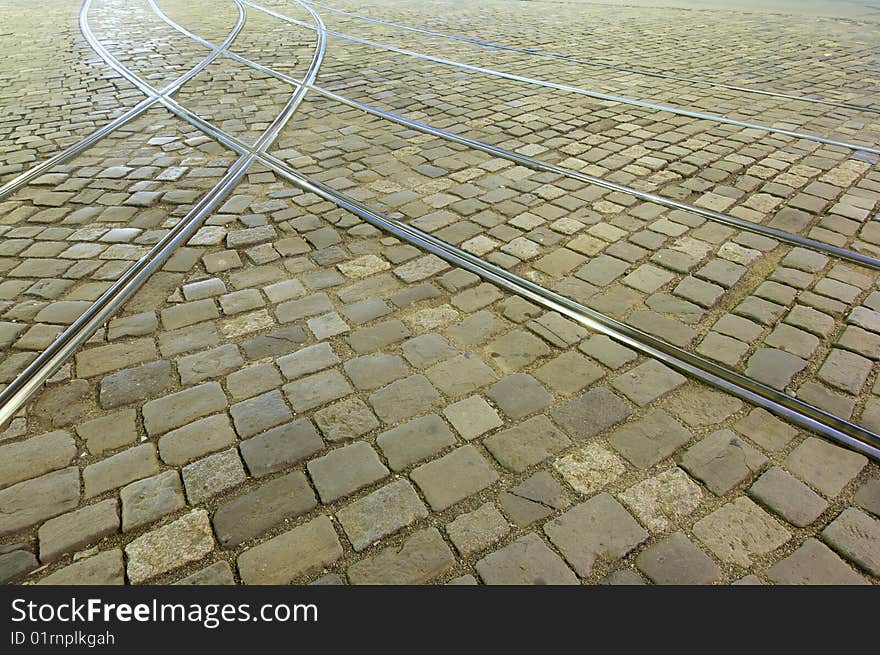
column 299, row 397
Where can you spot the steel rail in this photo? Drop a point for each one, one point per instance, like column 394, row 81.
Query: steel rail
column 597, row 64
column 573, row 89
column 804, row 414
column 538, row 165
column 31, row 379
column 90, row 140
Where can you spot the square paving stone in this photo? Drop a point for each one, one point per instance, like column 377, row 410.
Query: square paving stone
column 475, row 531
column 647, row 382
column 415, row 441
column 590, row 469
column 526, row 444
column 149, row 499
column 700, row 406
column 677, row 561
column 664, row 499
column 404, row 398
column 598, row 530
column 774, row 367
column 454, row 477
column 381, row 513
column 824, row 466
column 569, row 373
column 169, row 547
column 785, row 495
column 422, row 557
column 868, row 496
column 212, row 475
column 345, row 470
column 591, row 413
column 316, row 390
column 534, row 499
column 528, row 560
column 459, row 375
column 722, row 460
column 814, row 564
column 651, row 439
column 260, row 413
column 764, row 429
column 516, row 349
column 263, row 507
column 856, row 535
column 291, row 555
column 472, row 417
column 427, row 349
column 280, row 447
column 374, row 371
column 346, row 419
column 519, row 395
column 608, row 352
column 740, row 531
column 845, row 370
column 308, row 360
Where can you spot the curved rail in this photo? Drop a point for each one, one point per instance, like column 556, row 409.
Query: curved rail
column 597, row 64
column 573, row 89
column 87, row 142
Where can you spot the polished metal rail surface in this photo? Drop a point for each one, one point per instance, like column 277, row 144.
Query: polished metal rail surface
column 797, row 411
column 538, row 165
column 595, row 63
column 29, row 381
column 573, row 89
column 88, row 141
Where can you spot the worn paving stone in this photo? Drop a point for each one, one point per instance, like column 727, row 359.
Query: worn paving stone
column 218, row 573
column 280, row 447
column 265, row 506
column 308, row 360
column 788, row 497
column 664, row 499
column 813, row 564
column 473, row 532
column 136, row 384
column 647, row 382
column 599, row 529
column 856, row 535
column 519, row 395
column 590, row 469
column 472, row 417
column 381, row 513
column 169, row 547
column 454, row 477
column 212, row 475
column 120, row 469
column 178, row 409
column 345, row 470
column 651, row 439
column 373, row 371
column 526, row 444
column 16, row 562
column 700, row 406
column 460, row 375
column 677, row 561
column 147, row 500
column 32, row 501
column 346, row 419
column 304, row 550
column 105, row 568
column 569, row 373
column 739, row 531
column 591, row 413
column 200, row 437
column 824, row 466
column 316, row 390
column 534, row 499
column 722, row 461
column 774, row 367
column 74, row 530
column 35, row 456
column 259, row 413
column 414, row 441
column 764, row 429
column 422, row 557
column 868, row 496
column 528, row 560
column 404, row 398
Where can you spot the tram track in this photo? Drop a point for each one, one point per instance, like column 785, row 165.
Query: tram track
column 797, row 411
column 573, row 89
column 537, row 165
column 21, row 180
column 594, row 63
